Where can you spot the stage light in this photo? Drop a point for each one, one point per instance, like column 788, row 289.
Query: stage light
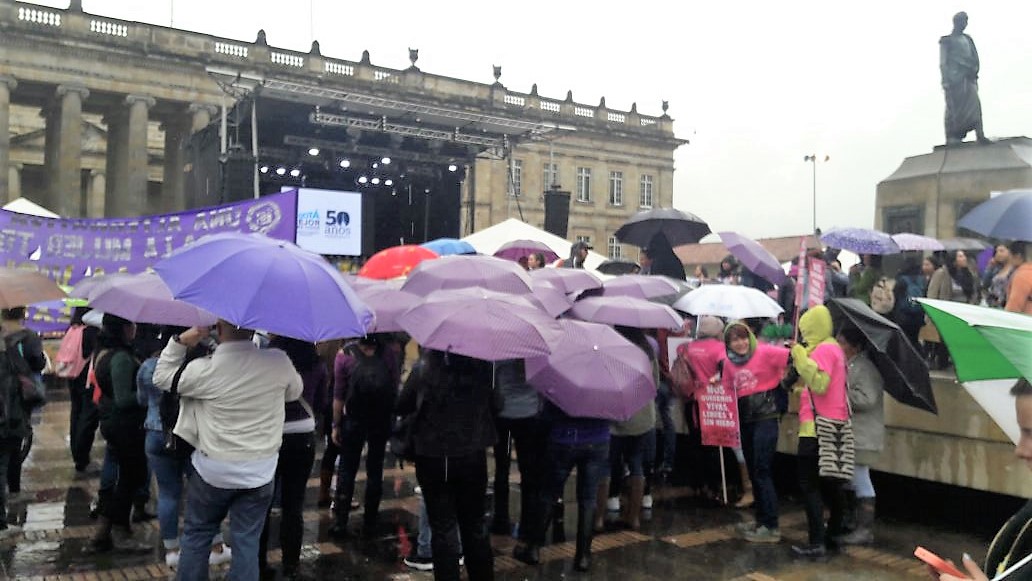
column 363, row 180
column 386, row 161
column 453, row 168
column 313, row 151
column 295, row 173
column 375, row 165
column 281, row 171
column 264, row 169
column 376, row 181
column 345, row 163
column 388, row 183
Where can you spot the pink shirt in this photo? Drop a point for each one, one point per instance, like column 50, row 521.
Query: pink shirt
column 832, row 404
column 703, row 356
column 762, row 372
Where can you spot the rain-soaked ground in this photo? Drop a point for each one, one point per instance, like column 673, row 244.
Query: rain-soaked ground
column 680, row 540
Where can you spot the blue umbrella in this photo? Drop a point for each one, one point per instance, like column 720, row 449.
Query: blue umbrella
column 860, row 241
column 1007, row 217
column 449, row 246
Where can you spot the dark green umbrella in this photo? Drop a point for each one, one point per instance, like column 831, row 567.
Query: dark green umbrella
column 902, row 367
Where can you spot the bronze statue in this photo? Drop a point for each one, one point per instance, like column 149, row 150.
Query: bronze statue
column 958, row 62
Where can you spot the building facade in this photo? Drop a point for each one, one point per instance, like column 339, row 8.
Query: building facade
column 95, row 115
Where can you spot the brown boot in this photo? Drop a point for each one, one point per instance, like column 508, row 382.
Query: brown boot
column 599, row 519
column 747, row 494
column 325, row 480
column 632, row 512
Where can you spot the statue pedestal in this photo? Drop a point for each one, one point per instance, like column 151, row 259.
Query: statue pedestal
column 930, row 192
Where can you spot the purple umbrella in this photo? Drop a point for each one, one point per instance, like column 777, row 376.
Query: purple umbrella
column 568, row 280
column 460, row 271
column 82, row 289
column 551, row 299
column 388, row 304
column 593, row 372
column 907, row 241
column 627, row 312
column 356, row 282
column 144, row 298
column 518, row 249
column 639, row 286
column 754, row 256
column 256, row 282
column 483, row 324
column 860, row 241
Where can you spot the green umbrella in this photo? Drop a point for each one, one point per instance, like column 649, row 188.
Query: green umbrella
column 984, row 343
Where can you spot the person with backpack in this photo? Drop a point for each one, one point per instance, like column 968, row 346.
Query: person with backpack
column 72, row 365
column 865, row 278
column 365, row 388
column 22, row 354
column 910, row 286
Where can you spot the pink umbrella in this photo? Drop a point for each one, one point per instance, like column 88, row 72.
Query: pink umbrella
column 518, row 249
column 387, row 304
column 627, row 312
column 568, row 280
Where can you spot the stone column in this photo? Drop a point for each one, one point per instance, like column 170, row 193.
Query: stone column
column 63, row 151
column 13, row 182
column 7, row 84
column 126, row 188
column 95, row 196
column 178, row 130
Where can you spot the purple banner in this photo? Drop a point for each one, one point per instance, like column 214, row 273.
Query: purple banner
column 67, row 250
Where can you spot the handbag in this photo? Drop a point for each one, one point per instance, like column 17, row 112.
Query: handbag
column 30, row 384
column 836, row 447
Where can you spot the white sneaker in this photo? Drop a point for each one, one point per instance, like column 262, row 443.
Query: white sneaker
column 218, row 558
column 418, row 491
column 646, row 502
column 172, row 559
column 613, row 504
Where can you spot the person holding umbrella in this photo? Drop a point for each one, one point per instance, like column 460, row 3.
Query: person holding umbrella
column 535, row 260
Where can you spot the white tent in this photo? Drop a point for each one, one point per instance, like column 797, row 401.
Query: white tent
column 26, row 206
column 489, row 240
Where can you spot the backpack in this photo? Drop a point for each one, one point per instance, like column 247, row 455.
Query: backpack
column 882, row 299
column 69, row 360
column 13, row 416
column 682, row 377
column 371, row 389
column 913, row 289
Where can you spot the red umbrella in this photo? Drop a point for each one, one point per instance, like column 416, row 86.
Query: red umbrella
column 396, row 261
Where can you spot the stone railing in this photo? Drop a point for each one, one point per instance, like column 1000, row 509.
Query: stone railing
column 261, row 58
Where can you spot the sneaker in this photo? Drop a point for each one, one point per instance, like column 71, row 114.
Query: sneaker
column 763, row 535
column 646, row 502
column 613, row 504
column 172, row 559
column 462, row 561
column 745, row 527
column 809, row 551
column 220, row 557
column 419, row 563
column 418, row 491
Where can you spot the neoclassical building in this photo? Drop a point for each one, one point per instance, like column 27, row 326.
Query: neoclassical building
column 104, row 117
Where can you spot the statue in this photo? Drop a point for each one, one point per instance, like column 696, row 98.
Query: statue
column 958, row 63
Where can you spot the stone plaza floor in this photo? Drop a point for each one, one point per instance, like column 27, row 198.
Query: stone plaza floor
column 681, row 540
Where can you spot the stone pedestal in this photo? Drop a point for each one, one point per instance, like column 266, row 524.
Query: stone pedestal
column 63, row 151
column 930, row 192
column 7, row 84
column 126, row 190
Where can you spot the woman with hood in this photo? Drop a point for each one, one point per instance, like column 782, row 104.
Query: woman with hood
column 822, row 369
column 754, row 372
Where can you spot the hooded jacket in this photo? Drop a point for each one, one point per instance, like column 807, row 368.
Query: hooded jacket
column 754, row 376
column 822, row 368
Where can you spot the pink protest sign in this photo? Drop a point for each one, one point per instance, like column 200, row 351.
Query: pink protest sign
column 817, row 282
column 718, row 416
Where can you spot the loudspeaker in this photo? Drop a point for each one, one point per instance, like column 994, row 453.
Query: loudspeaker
column 557, row 212
column 238, row 177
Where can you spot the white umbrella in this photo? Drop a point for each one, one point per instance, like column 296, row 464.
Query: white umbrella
column 728, row 301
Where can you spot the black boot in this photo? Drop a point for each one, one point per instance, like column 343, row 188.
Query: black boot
column 585, row 531
column 140, row 513
column 558, row 522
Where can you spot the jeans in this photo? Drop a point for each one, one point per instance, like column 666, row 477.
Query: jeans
column 206, row 507
column 591, row 461
column 530, row 438
column 8, row 448
column 630, row 451
column 84, row 420
column 423, row 543
column 126, row 445
column 353, row 436
column 668, row 443
column 296, row 456
column 109, row 476
column 454, row 489
column 861, row 483
column 817, row 490
column 168, row 469
column 759, row 445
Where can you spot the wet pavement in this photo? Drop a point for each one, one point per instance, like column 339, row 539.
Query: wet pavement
column 680, row 540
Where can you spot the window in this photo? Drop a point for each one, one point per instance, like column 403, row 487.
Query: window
column 551, row 175
column 615, row 250
column 616, row 188
column 584, row 184
column 584, row 239
column 645, row 191
column 517, row 177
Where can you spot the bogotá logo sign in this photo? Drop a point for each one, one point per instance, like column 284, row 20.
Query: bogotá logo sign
column 337, row 224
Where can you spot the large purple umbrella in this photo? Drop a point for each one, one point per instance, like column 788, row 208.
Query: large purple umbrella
column 460, row 271
column 388, row 304
column 860, row 241
column 554, row 301
column 82, row 289
column 627, row 312
column 256, row 282
column 754, row 256
column 639, row 286
column 907, row 242
column 482, row 324
column 518, row 249
column 593, row 372
column 144, row 298
column 568, row 280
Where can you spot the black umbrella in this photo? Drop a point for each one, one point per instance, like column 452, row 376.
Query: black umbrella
column 902, row 367
column 618, row 266
column 678, row 227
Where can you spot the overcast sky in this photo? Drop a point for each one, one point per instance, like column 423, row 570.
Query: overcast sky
column 754, row 86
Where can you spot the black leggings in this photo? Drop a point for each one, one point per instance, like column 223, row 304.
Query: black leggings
column 816, row 491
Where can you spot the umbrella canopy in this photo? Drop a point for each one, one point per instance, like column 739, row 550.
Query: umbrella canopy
column 902, row 367
column 457, row 272
column 256, row 282
column 639, row 286
column 387, row 304
column 83, row 288
column 568, row 280
column 984, row 343
column 554, row 301
column 145, row 298
column 518, row 249
column 1007, row 217
column 593, row 372
column 678, row 227
column 449, row 246
column 19, row 288
column 357, row 282
column 618, row 266
column 754, row 257
column 954, row 244
column 395, row 261
column 860, row 240
column 728, row 301
column 627, row 312
column 907, row 241
column 482, row 324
